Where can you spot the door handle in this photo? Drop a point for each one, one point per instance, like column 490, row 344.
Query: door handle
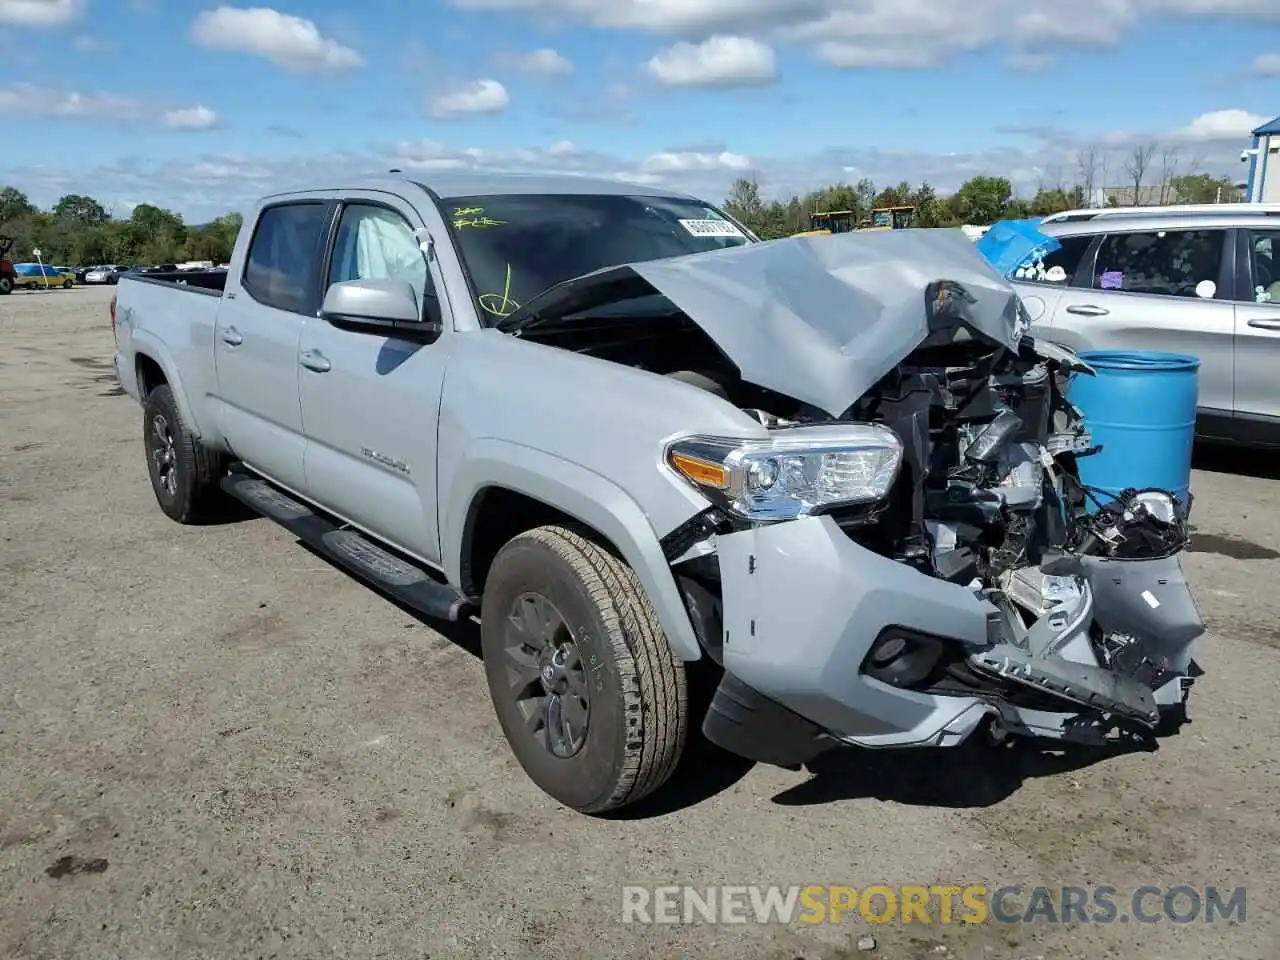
column 231, row 337
column 315, row 360
column 1265, row 324
column 1088, row 310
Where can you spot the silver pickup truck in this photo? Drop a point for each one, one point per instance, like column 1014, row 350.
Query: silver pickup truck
column 836, row 472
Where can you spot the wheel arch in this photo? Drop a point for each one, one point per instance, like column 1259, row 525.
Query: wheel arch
column 154, row 367
column 504, row 489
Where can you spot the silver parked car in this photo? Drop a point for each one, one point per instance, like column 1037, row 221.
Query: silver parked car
column 1202, row 283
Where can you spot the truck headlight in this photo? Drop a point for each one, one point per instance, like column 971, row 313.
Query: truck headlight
column 796, row 472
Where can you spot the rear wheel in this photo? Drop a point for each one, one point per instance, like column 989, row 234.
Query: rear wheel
column 586, row 689
column 184, row 475
column 68, row 284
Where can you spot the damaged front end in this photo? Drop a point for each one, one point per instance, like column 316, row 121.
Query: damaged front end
column 930, row 562
column 910, row 554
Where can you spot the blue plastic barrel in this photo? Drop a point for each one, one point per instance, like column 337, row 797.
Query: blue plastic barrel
column 1140, row 408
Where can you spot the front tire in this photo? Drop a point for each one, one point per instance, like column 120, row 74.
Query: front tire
column 586, row 688
column 6, row 285
column 184, row 474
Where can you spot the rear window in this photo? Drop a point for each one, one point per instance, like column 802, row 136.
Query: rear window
column 280, row 270
column 1171, row 263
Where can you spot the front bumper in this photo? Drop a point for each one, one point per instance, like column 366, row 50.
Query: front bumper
column 803, row 606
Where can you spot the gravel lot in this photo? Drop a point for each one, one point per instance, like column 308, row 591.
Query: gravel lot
column 214, row 744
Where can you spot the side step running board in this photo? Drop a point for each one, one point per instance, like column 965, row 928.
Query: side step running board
column 399, row 578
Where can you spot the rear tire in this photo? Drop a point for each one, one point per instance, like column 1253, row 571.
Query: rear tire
column 184, row 474
column 68, row 284
column 622, row 716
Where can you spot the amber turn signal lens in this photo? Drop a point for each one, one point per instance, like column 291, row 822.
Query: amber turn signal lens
column 702, row 472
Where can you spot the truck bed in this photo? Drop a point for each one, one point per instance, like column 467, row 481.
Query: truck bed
column 208, row 282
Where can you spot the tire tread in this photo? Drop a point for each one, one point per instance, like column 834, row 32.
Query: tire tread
column 202, row 497
column 648, row 671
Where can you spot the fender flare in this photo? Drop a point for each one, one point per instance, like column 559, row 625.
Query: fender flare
column 586, row 496
column 142, row 344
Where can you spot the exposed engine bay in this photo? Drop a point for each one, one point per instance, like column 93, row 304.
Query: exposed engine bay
column 988, row 498
column 1089, row 622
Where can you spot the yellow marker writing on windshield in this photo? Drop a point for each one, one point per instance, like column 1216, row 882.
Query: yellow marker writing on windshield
column 500, row 304
column 473, row 217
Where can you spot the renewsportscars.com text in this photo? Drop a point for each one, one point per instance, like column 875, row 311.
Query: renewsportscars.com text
column 935, row 904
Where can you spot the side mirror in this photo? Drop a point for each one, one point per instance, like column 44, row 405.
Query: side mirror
column 380, row 303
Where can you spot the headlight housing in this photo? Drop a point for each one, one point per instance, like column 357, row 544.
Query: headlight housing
column 797, row 472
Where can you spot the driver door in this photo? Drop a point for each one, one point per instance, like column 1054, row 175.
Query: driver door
column 371, row 402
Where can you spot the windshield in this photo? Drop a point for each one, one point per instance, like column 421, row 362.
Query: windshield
column 513, row 247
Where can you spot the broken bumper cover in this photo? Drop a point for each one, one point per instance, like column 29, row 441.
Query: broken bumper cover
column 804, row 607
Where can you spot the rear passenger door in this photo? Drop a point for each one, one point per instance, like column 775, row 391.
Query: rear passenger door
column 255, row 342
column 1257, row 347
column 1166, row 290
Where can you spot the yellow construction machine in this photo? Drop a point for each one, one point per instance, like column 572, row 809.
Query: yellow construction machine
column 844, row 221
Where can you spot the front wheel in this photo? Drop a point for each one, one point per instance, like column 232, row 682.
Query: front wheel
column 586, row 688
column 6, row 285
column 68, row 284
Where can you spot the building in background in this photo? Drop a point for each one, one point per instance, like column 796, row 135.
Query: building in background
column 1263, row 156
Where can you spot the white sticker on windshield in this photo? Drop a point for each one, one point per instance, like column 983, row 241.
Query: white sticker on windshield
column 712, row 228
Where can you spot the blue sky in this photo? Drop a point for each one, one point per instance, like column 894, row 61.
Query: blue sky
column 203, row 107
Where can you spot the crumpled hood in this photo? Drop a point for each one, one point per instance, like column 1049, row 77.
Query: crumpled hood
column 820, row 319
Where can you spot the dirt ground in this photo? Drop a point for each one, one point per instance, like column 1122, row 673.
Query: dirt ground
column 214, row 744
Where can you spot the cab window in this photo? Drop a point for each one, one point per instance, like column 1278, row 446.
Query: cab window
column 375, row 243
column 1170, row 263
column 281, row 266
column 1057, row 268
column 1264, row 266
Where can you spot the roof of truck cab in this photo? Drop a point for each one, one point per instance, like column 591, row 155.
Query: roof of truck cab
column 452, row 183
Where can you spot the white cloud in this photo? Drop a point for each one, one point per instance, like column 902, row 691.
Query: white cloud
column 719, row 61
column 895, row 33
column 198, row 117
column 84, row 43
column 1026, row 61
column 216, row 183
column 1223, row 125
column 544, row 62
column 689, row 160
column 291, row 43
column 30, row 100
column 1268, row 65
column 853, row 56
column 482, row 96
column 39, row 13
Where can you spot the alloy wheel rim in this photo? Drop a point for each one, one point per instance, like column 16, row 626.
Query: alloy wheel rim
column 164, row 454
column 547, row 680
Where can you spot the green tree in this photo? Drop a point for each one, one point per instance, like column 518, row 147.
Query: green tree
column 14, row 204
column 929, row 211
column 1202, row 188
column 983, row 200
column 82, row 209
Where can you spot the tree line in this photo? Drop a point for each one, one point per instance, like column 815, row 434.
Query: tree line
column 79, row 230
column 1148, row 176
